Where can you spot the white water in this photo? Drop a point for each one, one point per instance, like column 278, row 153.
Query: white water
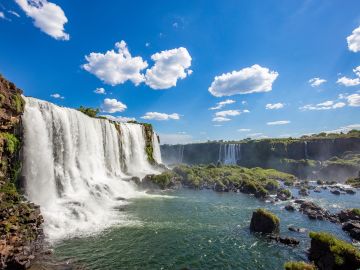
column 156, row 147
column 75, row 166
column 306, row 150
column 229, row 154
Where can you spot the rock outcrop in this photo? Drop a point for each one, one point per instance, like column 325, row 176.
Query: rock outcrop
column 264, row 221
column 313, row 211
column 330, row 253
column 20, row 221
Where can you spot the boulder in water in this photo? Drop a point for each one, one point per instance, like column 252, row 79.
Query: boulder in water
column 349, row 214
column 335, row 192
column 289, row 207
column 331, row 253
column 353, row 228
column 264, row 221
column 295, row 229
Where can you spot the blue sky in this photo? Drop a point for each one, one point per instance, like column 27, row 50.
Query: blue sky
column 156, row 62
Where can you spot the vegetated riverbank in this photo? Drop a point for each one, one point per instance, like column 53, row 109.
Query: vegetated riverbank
column 331, row 156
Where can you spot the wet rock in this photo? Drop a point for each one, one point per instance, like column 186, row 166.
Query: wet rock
column 313, row 211
column 295, row 229
column 349, row 214
column 289, row 241
column 264, row 221
column 350, row 191
column 220, row 188
column 353, row 228
column 303, row 192
column 317, row 190
column 335, row 192
column 289, row 207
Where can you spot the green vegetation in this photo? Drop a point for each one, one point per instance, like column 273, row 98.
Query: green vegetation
column 163, row 180
column 12, row 143
column 356, row 211
column 341, row 250
column 269, row 215
column 354, row 182
column 148, row 130
column 298, row 266
column 258, row 181
column 92, row 112
column 18, row 103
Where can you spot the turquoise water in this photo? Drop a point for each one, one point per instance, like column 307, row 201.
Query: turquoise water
column 197, row 230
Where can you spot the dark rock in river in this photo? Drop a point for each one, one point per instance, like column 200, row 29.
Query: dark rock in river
column 289, row 241
column 349, row 214
column 289, row 207
column 295, row 229
column 265, row 222
column 313, row 211
column 353, row 228
column 335, row 192
column 303, row 192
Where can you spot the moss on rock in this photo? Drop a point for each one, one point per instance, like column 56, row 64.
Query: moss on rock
column 298, row 266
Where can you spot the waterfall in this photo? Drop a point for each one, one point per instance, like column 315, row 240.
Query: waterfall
column 156, row 147
column 229, row 154
column 306, row 150
column 75, row 167
column 180, row 154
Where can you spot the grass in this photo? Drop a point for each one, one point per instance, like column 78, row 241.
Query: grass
column 354, row 182
column 339, row 248
column 18, row 103
column 298, row 266
column 356, row 211
column 269, row 215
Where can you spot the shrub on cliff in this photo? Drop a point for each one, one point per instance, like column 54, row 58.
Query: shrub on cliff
column 331, row 253
column 92, row 112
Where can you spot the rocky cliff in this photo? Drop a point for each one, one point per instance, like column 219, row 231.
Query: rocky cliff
column 20, row 220
column 330, row 157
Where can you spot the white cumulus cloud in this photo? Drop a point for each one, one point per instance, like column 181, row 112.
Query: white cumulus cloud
column 100, row 91
column 245, row 81
column 56, row 95
column 47, row 16
column 112, row 106
column 169, row 67
column 345, row 81
column 353, row 100
column 276, row 123
column 227, row 113
column 220, row 119
column 353, row 40
column 275, row 106
column 244, row 129
column 116, row 67
column 160, row 116
column 327, row 105
column 314, row 82
column 221, row 104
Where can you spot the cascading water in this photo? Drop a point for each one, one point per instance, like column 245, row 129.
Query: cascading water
column 306, row 150
column 75, row 166
column 156, row 147
column 180, row 154
column 229, row 154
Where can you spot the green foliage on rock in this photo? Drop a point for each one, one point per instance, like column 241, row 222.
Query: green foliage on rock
column 298, row 266
column 258, row 181
column 268, row 214
column 92, row 112
column 354, row 182
column 342, row 251
column 18, row 103
column 12, row 143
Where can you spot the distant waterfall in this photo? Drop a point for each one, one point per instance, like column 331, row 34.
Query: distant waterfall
column 306, row 150
column 75, row 166
column 180, row 154
column 229, row 154
column 156, row 147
